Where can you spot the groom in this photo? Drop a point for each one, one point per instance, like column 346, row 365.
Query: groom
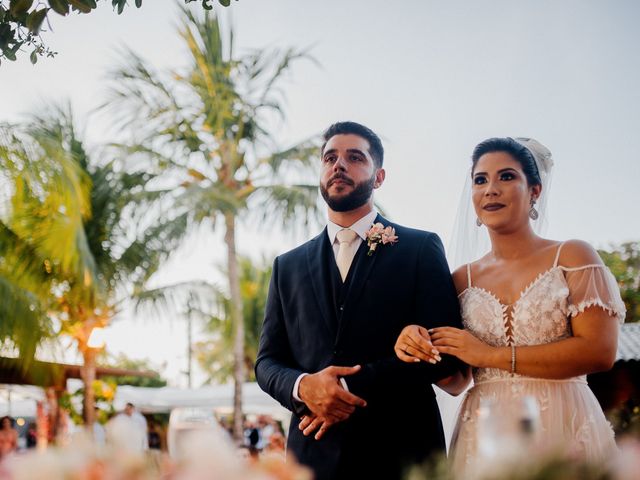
column 335, row 308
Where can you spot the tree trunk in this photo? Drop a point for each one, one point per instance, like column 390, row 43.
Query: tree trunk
column 189, row 348
column 237, row 319
column 88, row 377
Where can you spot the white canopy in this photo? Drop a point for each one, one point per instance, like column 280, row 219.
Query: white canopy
column 159, row 400
column 219, row 397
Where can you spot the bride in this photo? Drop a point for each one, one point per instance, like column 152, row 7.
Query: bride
column 538, row 314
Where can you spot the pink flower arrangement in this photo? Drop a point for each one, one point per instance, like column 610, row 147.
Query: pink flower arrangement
column 377, row 234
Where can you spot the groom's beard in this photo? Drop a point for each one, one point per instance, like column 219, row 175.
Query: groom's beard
column 357, row 198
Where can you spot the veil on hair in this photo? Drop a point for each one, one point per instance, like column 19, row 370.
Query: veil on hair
column 469, row 241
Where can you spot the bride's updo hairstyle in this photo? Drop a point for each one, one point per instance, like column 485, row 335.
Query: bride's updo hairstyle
column 518, row 151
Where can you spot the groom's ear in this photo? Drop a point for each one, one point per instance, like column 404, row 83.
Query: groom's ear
column 380, row 176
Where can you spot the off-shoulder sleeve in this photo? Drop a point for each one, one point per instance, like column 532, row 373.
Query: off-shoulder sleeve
column 594, row 286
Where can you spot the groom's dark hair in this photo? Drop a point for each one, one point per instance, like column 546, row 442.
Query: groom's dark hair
column 352, row 128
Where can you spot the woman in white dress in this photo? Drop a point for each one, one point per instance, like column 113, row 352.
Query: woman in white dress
column 539, row 314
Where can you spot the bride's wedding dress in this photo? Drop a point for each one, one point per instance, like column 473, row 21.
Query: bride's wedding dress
column 570, row 415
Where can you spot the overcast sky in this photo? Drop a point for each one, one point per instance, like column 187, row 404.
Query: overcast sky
column 432, row 78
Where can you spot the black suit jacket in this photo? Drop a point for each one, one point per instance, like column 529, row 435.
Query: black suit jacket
column 401, row 284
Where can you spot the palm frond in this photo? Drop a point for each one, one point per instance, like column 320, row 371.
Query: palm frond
column 303, row 157
column 49, row 202
column 169, row 301
column 140, row 99
column 293, row 205
column 22, row 319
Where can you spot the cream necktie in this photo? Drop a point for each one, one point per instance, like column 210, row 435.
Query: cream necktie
column 345, row 257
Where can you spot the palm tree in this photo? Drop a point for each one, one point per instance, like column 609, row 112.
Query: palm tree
column 215, row 355
column 119, row 241
column 207, row 127
column 43, row 202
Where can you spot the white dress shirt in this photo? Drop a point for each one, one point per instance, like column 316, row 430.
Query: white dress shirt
column 360, row 227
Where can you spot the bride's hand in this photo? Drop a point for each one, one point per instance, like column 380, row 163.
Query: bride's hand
column 414, row 344
column 461, row 344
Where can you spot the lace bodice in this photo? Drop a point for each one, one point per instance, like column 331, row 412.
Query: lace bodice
column 543, row 312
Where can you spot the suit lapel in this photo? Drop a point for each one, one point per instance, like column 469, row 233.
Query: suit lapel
column 319, row 271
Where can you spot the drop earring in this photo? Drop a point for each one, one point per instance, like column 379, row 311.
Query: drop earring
column 533, row 213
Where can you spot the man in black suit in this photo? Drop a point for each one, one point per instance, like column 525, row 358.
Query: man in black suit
column 334, row 311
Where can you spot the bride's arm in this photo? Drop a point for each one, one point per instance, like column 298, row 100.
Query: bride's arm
column 592, row 347
column 414, row 344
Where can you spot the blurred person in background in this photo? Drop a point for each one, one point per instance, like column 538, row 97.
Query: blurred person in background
column 8, row 437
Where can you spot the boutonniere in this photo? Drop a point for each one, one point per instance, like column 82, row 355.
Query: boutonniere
column 379, row 234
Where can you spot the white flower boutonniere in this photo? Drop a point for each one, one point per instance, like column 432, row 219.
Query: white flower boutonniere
column 377, row 234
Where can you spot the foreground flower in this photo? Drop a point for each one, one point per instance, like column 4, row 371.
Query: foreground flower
column 206, row 455
column 377, row 234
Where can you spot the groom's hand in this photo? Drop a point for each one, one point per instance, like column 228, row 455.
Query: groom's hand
column 323, row 394
column 311, row 423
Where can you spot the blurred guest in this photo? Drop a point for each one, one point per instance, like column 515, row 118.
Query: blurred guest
column 155, row 441
column 140, row 422
column 248, row 453
column 276, row 445
column 99, row 433
column 251, row 434
column 32, row 435
column 266, row 429
column 8, row 437
column 126, row 432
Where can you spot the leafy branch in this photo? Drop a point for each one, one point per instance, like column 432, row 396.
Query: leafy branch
column 22, row 21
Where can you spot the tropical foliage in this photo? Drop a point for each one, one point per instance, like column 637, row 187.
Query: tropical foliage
column 124, row 362
column 44, row 201
column 103, row 391
column 624, row 262
column 81, row 236
column 207, row 131
column 215, row 355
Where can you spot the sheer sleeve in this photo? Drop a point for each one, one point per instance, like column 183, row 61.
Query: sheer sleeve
column 594, row 286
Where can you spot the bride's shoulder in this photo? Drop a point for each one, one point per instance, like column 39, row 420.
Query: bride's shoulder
column 578, row 253
column 460, row 279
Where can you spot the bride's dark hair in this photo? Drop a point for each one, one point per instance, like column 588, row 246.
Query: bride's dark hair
column 518, row 151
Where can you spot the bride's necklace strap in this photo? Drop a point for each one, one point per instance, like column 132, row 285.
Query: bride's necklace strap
column 555, row 261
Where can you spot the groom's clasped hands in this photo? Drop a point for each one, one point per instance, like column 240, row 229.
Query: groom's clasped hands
column 327, row 400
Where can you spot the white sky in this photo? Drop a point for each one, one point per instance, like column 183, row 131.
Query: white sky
column 433, row 78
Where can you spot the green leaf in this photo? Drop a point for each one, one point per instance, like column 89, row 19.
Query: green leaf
column 90, row 3
column 225, row 3
column 120, row 4
column 138, row 3
column 59, row 6
column 19, row 6
column 9, row 55
column 35, row 19
column 80, row 6
column 34, row 57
